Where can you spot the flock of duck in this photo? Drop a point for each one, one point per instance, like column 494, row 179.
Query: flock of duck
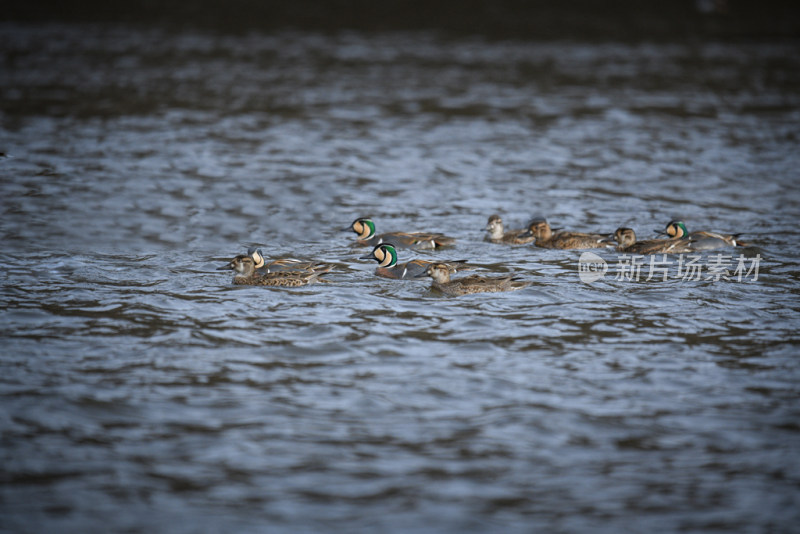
column 253, row 269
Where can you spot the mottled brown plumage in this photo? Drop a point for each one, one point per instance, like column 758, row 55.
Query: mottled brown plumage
column 440, row 272
column 246, row 274
column 546, row 238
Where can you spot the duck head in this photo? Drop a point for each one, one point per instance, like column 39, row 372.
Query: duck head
column 540, row 229
column 440, row 272
column 385, row 254
column 364, row 228
column 625, row 236
column 677, row 230
column 243, row 265
column 495, row 227
column 257, row 255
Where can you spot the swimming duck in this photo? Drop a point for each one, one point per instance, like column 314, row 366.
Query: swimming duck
column 440, row 272
column 626, row 238
column 702, row 240
column 510, row 237
column 365, row 229
column 246, row 274
column 386, row 256
column 283, row 264
column 546, row 238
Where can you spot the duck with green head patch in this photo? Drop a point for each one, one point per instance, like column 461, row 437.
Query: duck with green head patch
column 626, row 238
column 467, row 285
column 386, row 256
column 245, row 268
column 702, row 240
column 497, row 234
column 546, row 237
column 365, row 230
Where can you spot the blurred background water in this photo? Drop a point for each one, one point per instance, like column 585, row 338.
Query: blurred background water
column 142, row 391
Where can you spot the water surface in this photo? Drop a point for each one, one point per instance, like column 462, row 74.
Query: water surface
column 142, row 391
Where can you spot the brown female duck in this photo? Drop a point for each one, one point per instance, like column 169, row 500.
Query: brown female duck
column 440, row 272
column 497, row 234
column 547, row 238
column 246, row 274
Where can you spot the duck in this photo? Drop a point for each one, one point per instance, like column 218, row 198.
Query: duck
column 702, row 240
column 546, row 238
column 626, row 238
column 283, row 264
column 245, row 268
column 509, row 237
column 365, row 229
column 386, row 256
column 467, row 285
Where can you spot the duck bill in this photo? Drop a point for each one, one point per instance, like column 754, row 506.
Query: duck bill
column 423, row 274
column 367, row 257
column 224, row 267
column 526, row 233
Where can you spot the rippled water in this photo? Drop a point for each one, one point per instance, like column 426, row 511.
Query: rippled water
column 142, row 391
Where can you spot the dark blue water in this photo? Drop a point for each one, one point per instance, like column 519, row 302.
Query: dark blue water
column 142, row 391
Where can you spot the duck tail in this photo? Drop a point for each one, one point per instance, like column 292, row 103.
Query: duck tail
column 519, row 283
column 316, row 276
column 460, row 265
column 322, row 268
